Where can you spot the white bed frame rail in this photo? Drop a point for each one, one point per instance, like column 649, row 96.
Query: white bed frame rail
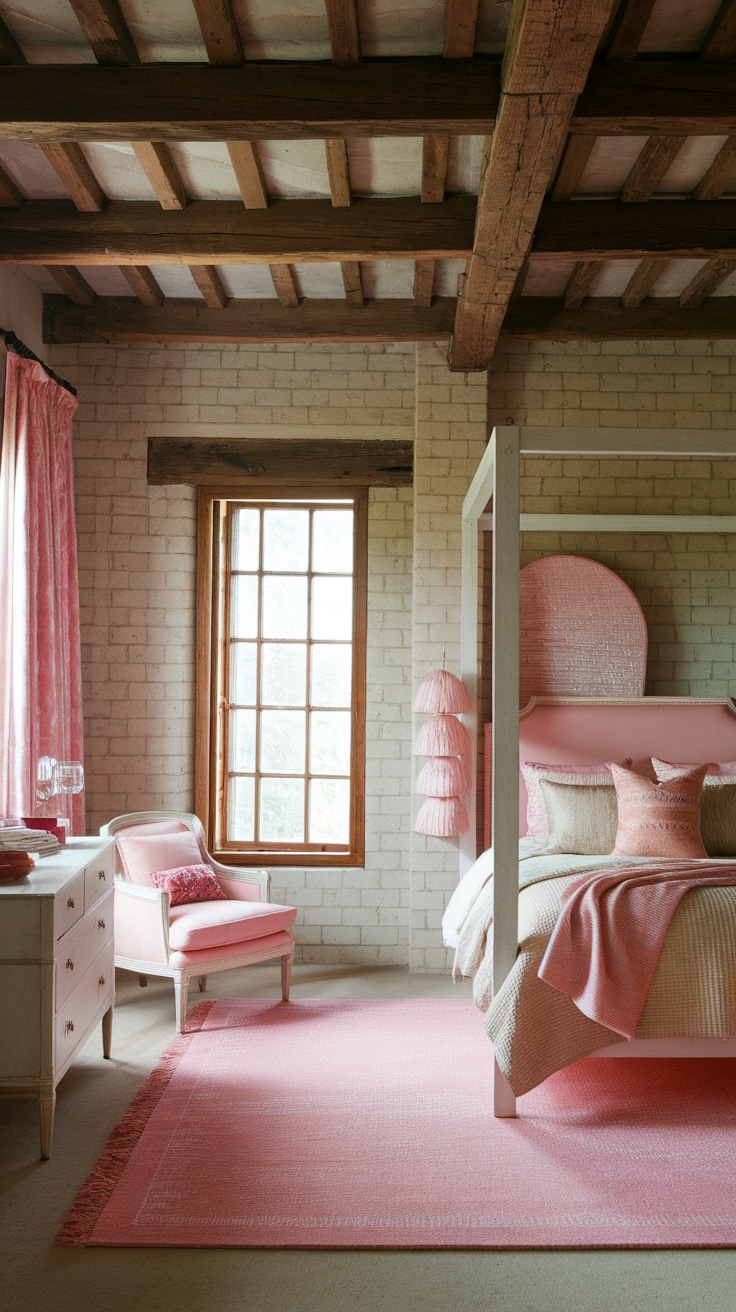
column 497, row 481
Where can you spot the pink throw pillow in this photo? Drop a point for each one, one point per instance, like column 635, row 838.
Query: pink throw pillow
column 715, row 770
column 533, row 772
column 659, row 819
column 141, row 854
column 189, row 884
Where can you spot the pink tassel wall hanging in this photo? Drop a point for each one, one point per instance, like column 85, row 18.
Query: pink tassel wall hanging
column 445, row 741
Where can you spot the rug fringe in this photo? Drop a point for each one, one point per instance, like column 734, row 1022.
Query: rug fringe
column 93, row 1196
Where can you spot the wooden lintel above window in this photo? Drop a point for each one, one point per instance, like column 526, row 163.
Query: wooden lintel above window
column 249, row 463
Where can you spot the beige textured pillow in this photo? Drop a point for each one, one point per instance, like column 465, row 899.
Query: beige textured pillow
column 718, row 816
column 583, row 818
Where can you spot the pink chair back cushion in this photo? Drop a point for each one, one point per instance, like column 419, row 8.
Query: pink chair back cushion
column 202, row 925
column 142, row 855
column 659, row 819
column 189, row 884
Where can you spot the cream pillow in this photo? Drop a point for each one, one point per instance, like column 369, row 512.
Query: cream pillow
column 583, row 818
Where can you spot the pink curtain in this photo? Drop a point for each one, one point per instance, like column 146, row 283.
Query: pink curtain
column 40, row 668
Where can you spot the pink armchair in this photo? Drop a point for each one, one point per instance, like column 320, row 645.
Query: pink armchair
column 194, row 938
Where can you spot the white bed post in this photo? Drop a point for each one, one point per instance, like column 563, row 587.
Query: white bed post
column 505, row 720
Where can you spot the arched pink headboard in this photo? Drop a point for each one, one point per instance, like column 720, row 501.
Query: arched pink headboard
column 586, row 730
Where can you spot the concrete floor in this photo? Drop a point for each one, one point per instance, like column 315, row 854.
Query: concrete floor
column 92, row 1098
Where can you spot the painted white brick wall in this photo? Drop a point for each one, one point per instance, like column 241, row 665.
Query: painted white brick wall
column 137, row 559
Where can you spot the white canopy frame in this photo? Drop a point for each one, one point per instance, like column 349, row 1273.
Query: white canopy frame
column 497, row 481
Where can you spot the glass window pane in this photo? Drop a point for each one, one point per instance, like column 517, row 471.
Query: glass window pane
column 329, row 742
column 332, row 672
column 332, row 608
column 332, row 541
column 286, row 540
column 243, row 673
column 283, row 674
column 240, row 809
column 329, row 811
column 284, row 607
column 242, row 740
column 283, row 742
column 244, row 606
column 245, row 539
column 281, row 812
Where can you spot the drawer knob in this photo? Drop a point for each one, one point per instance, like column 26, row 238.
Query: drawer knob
column 69, row 964
column 101, row 980
column 100, row 923
column 100, row 874
column 69, row 1027
column 70, row 903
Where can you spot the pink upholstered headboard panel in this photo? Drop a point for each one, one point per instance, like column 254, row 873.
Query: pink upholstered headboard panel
column 570, row 730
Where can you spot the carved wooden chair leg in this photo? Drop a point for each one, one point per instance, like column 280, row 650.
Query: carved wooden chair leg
column 143, row 981
column 181, row 989
column 286, row 963
column 202, row 983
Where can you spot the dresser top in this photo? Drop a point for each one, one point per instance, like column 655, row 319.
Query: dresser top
column 52, row 873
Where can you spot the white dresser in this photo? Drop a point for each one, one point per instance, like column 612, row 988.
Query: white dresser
column 57, row 972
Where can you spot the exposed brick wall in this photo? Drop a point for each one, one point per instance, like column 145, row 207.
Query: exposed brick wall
column 137, row 557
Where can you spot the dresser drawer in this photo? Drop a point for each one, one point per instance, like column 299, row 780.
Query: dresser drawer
column 69, row 906
column 98, row 878
column 80, row 947
column 78, row 1011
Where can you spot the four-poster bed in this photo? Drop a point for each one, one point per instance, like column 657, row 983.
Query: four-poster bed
column 498, row 481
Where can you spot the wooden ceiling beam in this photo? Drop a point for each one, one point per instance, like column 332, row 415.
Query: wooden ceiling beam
column 721, row 175
column 209, row 283
column 159, row 166
column 720, row 39
column 628, row 28
column 654, row 160
column 106, row 30
column 140, row 278
column 424, row 271
column 642, row 281
column 9, row 194
column 705, row 282
column 10, row 51
column 219, row 32
column 352, row 281
column 572, row 166
column 581, row 280
column 121, row 319
column 302, row 101
column 435, row 151
column 249, row 173
column 338, row 172
column 549, row 51
column 604, row 319
column 285, row 284
column 72, row 283
column 224, row 232
column 70, row 164
column 605, row 229
column 460, row 24
column 342, row 19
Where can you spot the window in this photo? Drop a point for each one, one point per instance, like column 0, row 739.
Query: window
column 281, row 677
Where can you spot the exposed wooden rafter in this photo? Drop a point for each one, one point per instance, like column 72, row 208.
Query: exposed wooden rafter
column 642, row 281
column 140, row 278
column 581, row 280
column 628, row 28
column 219, row 32
column 9, row 194
column 283, row 281
column 460, row 24
column 352, row 281
column 72, row 282
column 69, row 162
column 435, row 151
column 121, row 319
column 549, row 51
column 210, row 284
column 654, row 160
column 721, row 175
column 659, row 318
column 706, row 280
column 106, row 30
column 249, row 174
column 720, row 39
column 423, row 282
column 338, row 171
column 159, row 166
column 342, row 18
column 572, row 166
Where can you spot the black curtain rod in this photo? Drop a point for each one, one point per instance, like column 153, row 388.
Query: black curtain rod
column 14, row 343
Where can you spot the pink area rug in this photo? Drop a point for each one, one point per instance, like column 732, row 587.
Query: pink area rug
column 370, row 1125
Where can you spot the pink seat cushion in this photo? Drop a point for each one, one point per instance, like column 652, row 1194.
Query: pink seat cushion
column 197, row 925
column 141, row 855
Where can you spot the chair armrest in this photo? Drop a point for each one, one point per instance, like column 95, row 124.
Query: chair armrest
column 253, row 886
column 141, row 923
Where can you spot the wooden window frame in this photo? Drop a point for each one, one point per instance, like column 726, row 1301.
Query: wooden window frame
column 209, row 708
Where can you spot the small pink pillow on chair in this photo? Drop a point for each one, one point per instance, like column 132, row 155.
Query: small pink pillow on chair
column 189, row 884
column 659, row 819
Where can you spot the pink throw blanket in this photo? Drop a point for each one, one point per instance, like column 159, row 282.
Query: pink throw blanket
column 609, row 935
